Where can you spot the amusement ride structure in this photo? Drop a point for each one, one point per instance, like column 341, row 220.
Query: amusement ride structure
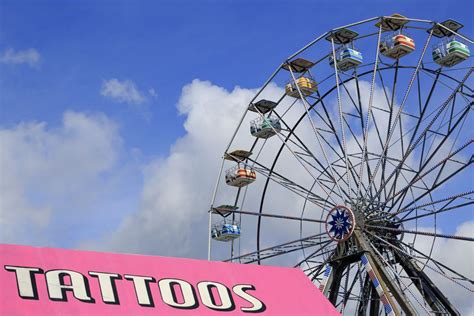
column 368, row 150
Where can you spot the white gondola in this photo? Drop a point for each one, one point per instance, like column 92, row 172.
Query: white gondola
column 240, row 176
column 450, row 52
column 265, row 127
column 225, row 231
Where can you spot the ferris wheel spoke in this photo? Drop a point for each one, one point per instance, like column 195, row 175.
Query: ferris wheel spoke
column 364, row 187
column 443, row 209
column 302, row 153
column 439, row 165
column 341, row 120
column 291, row 185
column 464, row 94
column 449, row 200
column 417, row 232
column 390, row 104
column 332, row 131
column 378, row 132
column 421, row 137
column 306, row 152
column 428, row 155
column 325, row 117
column 335, row 166
column 421, row 111
column 316, row 132
column 413, row 130
column 392, row 128
column 356, row 105
column 399, row 201
column 294, row 218
column 438, row 183
column 418, row 176
column 429, row 211
column 310, row 258
column 459, row 160
column 282, row 249
column 363, row 157
column 369, row 113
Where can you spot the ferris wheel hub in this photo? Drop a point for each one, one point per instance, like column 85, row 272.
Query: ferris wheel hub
column 340, row 223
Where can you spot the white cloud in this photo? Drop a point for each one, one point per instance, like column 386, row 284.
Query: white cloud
column 174, row 201
column 457, row 255
column 51, row 175
column 29, row 56
column 122, row 91
column 152, row 93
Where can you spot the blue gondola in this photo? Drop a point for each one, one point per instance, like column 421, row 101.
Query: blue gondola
column 346, row 58
column 225, row 231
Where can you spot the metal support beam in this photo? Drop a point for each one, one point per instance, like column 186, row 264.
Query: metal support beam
column 431, row 294
column 385, row 279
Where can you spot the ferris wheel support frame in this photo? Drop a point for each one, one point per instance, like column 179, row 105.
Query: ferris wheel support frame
column 341, row 266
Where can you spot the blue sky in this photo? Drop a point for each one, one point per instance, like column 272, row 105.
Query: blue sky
column 162, row 45
column 74, row 60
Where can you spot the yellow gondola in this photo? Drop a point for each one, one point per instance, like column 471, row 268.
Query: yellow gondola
column 307, row 86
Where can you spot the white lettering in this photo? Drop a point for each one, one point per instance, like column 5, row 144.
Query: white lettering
column 168, row 294
column 208, row 299
column 26, row 281
column 257, row 305
column 57, row 287
column 142, row 289
column 107, row 286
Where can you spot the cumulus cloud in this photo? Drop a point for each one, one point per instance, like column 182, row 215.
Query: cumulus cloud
column 152, row 93
column 124, row 91
column 175, row 197
column 30, row 56
column 455, row 254
column 51, row 175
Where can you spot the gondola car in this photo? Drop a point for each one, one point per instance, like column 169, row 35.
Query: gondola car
column 306, row 85
column 265, row 127
column 397, row 46
column 451, row 52
column 346, row 58
column 240, row 176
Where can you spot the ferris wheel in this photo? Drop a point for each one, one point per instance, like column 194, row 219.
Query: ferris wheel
column 358, row 170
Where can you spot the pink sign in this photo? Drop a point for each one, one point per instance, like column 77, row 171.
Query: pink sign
column 47, row 281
